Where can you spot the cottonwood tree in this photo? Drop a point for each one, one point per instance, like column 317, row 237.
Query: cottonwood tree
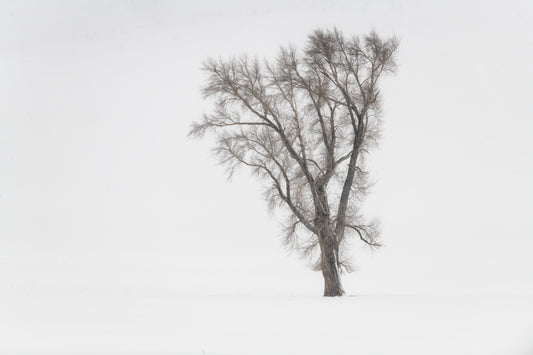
column 304, row 123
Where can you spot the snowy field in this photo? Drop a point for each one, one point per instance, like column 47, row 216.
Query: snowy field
column 131, row 322
column 121, row 236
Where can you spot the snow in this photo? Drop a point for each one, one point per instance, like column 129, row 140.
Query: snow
column 92, row 321
column 108, row 246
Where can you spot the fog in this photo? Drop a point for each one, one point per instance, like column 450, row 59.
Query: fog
column 100, row 187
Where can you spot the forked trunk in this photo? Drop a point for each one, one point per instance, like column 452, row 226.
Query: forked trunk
column 330, row 271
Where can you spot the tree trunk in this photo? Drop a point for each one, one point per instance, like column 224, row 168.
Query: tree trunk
column 328, row 244
column 330, row 271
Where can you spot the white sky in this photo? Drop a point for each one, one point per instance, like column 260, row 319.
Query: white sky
column 101, row 188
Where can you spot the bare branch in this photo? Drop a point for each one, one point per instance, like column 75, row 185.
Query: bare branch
column 368, row 234
column 294, row 122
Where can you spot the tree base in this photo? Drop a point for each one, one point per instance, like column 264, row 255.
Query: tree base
column 333, row 293
column 332, row 283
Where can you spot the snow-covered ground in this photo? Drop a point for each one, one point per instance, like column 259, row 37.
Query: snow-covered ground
column 119, row 236
column 89, row 321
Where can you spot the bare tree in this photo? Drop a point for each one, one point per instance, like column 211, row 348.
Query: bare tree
column 304, row 123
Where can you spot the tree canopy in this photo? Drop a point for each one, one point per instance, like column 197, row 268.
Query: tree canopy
column 305, row 123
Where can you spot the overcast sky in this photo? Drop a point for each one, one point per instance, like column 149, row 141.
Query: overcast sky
column 101, row 188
